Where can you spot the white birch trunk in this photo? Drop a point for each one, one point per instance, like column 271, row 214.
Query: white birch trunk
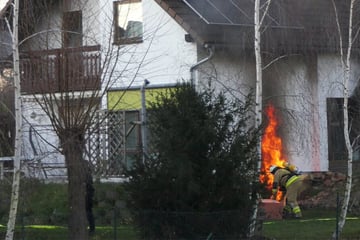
column 258, row 62
column 258, row 99
column 258, row 93
column 18, row 125
column 346, row 66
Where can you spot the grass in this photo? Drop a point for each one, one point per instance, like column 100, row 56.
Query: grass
column 46, row 232
column 316, row 225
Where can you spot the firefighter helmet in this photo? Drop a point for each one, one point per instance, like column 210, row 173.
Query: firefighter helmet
column 273, row 169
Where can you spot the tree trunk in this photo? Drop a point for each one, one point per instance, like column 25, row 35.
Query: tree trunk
column 18, row 126
column 72, row 149
column 258, row 100
column 258, row 21
column 346, row 67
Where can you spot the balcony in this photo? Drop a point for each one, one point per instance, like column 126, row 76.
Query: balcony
column 61, row 70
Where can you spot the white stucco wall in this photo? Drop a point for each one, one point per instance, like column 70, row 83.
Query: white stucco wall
column 298, row 87
column 289, row 85
column 164, row 57
column 331, row 86
column 40, row 143
column 301, row 91
column 224, row 71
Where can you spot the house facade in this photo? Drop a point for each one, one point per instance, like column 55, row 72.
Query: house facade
column 79, row 51
column 302, row 71
column 127, row 50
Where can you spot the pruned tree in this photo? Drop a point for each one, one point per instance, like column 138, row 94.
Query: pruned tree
column 68, row 81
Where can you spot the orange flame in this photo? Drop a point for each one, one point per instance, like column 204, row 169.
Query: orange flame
column 271, row 149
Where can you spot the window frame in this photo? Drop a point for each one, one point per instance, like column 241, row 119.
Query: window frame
column 120, row 40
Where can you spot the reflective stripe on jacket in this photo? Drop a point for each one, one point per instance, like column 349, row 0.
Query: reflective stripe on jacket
column 282, row 178
column 291, row 180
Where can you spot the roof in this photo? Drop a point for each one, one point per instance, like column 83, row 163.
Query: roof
column 4, row 4
column 289, row 26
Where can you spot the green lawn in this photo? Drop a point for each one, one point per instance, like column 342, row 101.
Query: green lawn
column 37, row 232
column 316, row 225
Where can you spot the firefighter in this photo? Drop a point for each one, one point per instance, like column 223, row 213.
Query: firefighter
column 293, row 184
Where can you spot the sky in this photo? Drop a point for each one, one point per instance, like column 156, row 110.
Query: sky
column 2, row 3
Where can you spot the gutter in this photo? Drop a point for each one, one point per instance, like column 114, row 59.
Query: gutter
column 196, row 65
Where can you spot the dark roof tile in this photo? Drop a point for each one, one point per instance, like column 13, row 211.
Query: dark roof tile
column 290, row 25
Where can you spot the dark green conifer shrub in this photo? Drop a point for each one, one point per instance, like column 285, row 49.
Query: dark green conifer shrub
column 197, row 179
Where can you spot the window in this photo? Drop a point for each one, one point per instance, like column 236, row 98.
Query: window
column 133, row 137
column 336, row 142
column 124, row 140
column 124, row 126
column 72, row 26
column 128, row 22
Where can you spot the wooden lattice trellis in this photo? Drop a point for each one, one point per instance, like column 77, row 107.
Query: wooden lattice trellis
column 105, row 148
column 106, row 143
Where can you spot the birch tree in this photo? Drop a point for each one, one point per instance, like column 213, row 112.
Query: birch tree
column 18, row 126
column 346, row 71
column 258, row 21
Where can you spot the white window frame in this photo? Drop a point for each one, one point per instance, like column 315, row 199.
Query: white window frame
column 128, row 22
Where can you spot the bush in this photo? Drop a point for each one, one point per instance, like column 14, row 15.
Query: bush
column 202, row 163
column 192, row 225
column 42, row 203
column 38, row 203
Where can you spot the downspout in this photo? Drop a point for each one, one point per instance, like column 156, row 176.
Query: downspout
column 143, row 119
column 210, row 49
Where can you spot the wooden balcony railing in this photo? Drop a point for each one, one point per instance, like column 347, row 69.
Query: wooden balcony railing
column 61, row 70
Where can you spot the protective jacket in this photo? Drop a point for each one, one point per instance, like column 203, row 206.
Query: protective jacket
column 293, row 184
column 282, row 179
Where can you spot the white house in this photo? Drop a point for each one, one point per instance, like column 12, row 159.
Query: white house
column 128, row 43
column 302, row 74
column 105, row 47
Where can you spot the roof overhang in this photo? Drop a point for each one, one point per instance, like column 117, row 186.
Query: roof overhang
column 290, row 25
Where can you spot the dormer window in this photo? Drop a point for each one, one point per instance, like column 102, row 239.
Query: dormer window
column 128, row 22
